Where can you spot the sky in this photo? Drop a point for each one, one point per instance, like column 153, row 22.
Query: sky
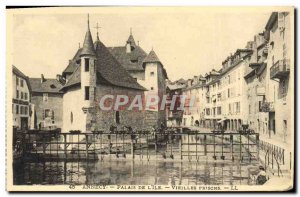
column 188, row 41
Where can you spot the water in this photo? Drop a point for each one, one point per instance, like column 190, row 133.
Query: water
column 126, row 172
column 157, row 171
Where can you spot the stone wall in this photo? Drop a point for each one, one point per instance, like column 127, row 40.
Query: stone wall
column 98, row 119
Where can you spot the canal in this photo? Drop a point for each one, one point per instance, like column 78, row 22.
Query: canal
column 188, row 160
column 125, row 172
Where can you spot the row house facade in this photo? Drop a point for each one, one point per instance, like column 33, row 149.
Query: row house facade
column 46, row 98
column 21, row 107
column 278, row 101
column 233, row 90
column 256, row 79
column 194, row 94
column 174, row 90
column 255, row 88
column 212, row 99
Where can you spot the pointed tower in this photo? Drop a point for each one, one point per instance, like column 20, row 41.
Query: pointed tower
column 130, row 44
column 88, row 69
column 155, row 83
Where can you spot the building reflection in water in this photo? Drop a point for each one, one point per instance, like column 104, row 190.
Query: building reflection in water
column 133, row 172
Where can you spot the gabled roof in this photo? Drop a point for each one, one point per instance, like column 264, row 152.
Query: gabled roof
column 47, row 86
column 17, row 72
column 152, row 57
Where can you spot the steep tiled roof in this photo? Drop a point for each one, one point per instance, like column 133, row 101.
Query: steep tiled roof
column 17, row 72
column 152, row 57
column 88, row 46
column 108, row 69
column 111, row 70
column 72, row 63
column 130, row 61
column 47, row 86
column 75, row 78
column 131, row 40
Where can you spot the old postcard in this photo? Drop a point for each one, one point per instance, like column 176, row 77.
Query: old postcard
column 150, row 99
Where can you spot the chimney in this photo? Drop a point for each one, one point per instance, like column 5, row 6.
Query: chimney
column 42, row 78
column 128, row 47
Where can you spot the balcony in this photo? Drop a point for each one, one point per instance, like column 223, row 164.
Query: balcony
column 280, row 69
column 267, row 107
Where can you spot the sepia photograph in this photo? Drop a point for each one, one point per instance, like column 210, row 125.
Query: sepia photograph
column 150, row 99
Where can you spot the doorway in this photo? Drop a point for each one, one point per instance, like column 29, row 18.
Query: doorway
column 24, row 123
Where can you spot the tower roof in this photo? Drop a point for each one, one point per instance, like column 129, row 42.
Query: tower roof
column 152, row 57
column 88, row 46
column 131, row 40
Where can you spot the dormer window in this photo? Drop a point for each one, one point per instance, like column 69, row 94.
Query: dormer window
column 86, row 64
column 134, row 61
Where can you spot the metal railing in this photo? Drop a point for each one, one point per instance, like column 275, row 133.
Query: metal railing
column 143, row 144
column 280, row 69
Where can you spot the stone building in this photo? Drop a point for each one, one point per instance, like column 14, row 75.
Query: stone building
column 256, row 77
column 91, row 74
column 46, row 96
column 148, row 71
column 280, row 77
column 21, row 107
column 233, row 88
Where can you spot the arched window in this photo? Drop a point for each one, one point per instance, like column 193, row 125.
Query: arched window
column 71, row 117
